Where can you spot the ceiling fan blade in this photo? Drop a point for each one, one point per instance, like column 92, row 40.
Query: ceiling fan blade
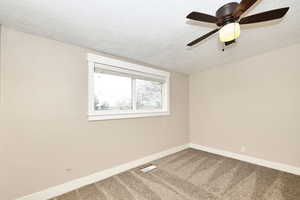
column 265, row 16
column 243, row 7
column 202, row 17
column 203, row 37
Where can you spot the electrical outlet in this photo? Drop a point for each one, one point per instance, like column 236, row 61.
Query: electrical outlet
column 68, row 170
column 243, row 149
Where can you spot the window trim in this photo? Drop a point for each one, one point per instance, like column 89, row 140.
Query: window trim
column 122, row 65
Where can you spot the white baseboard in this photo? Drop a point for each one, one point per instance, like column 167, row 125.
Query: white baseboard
column 249, row 159
column 75, row 184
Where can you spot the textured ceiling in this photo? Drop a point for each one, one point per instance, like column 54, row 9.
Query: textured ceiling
column 153, row 32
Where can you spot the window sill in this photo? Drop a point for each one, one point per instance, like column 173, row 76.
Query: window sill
column 126, row 116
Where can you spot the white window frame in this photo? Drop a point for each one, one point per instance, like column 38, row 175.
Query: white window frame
column 120, row 67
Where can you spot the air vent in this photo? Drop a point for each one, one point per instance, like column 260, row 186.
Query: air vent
column 149, row 168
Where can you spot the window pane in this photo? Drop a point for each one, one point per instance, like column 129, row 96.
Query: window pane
column 112, row 92
column 149, row 95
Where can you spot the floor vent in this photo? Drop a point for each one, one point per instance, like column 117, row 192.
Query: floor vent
column 149, row 168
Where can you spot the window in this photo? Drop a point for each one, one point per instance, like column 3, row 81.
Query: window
column 120, row 89
column 148, row 94
column 112, row 92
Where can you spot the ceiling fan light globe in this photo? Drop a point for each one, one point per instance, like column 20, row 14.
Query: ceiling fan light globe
column 229, row 32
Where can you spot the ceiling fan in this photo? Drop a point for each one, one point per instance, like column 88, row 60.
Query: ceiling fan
column 228, row 20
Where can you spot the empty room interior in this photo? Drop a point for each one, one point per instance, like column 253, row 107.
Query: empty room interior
column 149, row 100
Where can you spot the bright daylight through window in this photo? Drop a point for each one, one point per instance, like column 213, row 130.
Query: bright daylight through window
column 112, row 92
column 120, row 89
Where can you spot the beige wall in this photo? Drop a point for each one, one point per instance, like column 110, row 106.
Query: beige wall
column 253, row 103
column 43, row 118
column 43, row 114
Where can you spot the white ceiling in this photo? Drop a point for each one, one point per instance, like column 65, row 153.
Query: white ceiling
column 153, row 32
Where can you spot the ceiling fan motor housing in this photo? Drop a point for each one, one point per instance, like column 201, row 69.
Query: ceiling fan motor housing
column 225, row 14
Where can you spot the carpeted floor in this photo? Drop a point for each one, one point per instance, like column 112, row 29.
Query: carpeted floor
column 194, row 175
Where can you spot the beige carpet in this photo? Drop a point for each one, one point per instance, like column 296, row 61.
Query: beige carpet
column 194, row 175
